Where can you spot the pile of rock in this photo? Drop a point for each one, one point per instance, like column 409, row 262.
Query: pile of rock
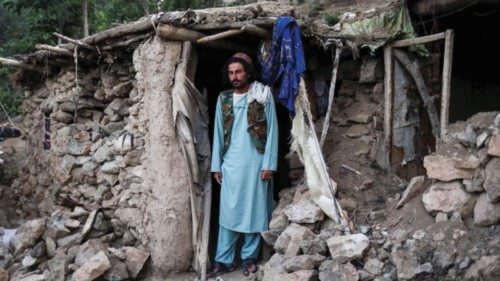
column 466, row 171
column 307, row 244
column 71, row 245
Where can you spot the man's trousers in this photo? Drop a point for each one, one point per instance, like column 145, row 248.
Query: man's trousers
column 226, row 246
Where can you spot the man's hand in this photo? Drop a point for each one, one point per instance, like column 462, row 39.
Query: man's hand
column 266, row 174
column 218, row 177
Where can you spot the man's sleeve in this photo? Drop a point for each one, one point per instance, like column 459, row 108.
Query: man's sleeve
column 218, row 143
column 270, row 160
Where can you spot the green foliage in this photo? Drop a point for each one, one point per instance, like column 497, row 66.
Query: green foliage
column 330, row 19
column 24, row 23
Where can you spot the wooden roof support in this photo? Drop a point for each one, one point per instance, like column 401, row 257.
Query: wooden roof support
column 21, row 65
column 76, row 42
column 218, row 36
column 169, row 32
column 53, row 49
column 258, row 31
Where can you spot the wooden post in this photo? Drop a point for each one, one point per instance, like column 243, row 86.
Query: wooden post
column 218, row 36
column 388, row 97
column 418, row 40
column 53, row 49
column 446, row 81
column 169, row 32
column 76, row 42
column 331, row 93
column 18, row 64
column 258, row 31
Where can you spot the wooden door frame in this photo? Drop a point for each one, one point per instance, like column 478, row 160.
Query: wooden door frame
column 448, row 36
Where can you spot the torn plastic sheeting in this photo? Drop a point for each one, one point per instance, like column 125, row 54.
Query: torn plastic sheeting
column 391, row 23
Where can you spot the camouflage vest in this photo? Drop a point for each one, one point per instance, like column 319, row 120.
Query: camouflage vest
column 256, row 116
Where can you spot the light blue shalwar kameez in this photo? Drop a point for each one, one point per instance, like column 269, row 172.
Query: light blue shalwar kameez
column 246, row 199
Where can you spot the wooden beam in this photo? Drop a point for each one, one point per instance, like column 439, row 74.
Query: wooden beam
column 268, row 22
column 21, row 65
column 331, row 95
column 169, row 32
column 446, row 81
column 388, row 98
column 414, row 70
column 258, row 31
column 53, row 49
column 127, row 42
column 76, row 42
column 418, row 40
column 218, row 36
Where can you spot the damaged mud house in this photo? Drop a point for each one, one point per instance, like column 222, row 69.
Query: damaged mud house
column 394, row 172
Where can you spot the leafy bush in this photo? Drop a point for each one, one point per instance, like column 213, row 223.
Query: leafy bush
column 330, row 19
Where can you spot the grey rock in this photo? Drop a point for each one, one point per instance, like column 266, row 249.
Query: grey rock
column 374, row 266
column 39, row 250
column 447, row 169
column 486, row 212
column 273, row 268
column 448, row 197
column 100, row 224
column 405, row 263
column 270, row 237
column 76, row 147
column 35, row 277
column 135, row 260
column 443, row 260
column 27, row 235
column 29, row 261
column 89, row 223
column 304, row 211
column 481, row 139
column 314, row 246
column 110, row 167
column 70, row 240
column 117, row 272
column 57, row 267
column 492, row 180
column 378, row 215
column 487, row 268
column 494, row 144
column 440, row 217
column 92, row 268
column 129, row 238
column 51, row 247
column 89, row 249
column 423, row 268
column 102, row 154
column 332, row 270
column 68, row 162
column 303, row 262
column 477, row 181
column 416, row 186
column 288, row 243
column 348, row 247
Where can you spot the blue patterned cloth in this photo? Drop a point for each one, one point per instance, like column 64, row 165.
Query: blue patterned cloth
column 286, row 62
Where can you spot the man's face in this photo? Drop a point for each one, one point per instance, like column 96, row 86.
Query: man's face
column 237, row 75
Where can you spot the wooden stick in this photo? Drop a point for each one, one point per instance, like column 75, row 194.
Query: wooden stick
column 126, row 43
column 139, row 26
column 18, row 64
column 218, row 36
column 169, row 32
column 414, row 70
column 388, row 93
column 331, row 94
column 268, row 22
column 259, row 31
column 418, row 40
column 446, row 86
column 53, row 49
column 76, row 42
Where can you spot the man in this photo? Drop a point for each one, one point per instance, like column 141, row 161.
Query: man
column 243, row 161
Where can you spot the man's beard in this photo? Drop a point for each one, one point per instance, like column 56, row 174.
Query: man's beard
column 237, row 84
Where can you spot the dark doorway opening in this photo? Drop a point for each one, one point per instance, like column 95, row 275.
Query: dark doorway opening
column 475, row 85
column 209, row 76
